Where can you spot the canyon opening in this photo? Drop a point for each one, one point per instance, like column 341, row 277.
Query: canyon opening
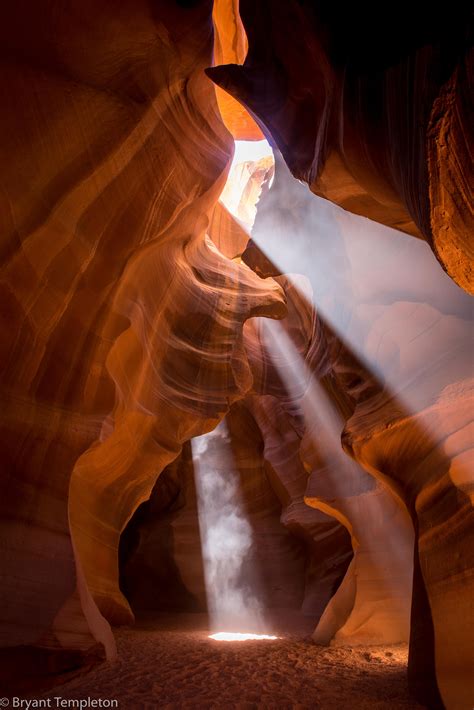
column 237, row 356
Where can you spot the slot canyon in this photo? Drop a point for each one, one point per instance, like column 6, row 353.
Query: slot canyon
column 237, row 356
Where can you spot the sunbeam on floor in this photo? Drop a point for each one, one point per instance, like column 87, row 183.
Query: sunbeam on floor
column 229, row 636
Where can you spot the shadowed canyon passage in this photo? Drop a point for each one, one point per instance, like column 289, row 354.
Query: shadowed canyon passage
column 237, row 355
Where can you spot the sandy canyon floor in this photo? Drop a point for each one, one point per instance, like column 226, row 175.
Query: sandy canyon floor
column 170, row 662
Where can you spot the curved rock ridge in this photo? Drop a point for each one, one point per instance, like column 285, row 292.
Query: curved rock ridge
column 176, row 369
column 231, row 46
column 301, row 429
column 161, row 565
column 428, row 454
column 394, row 358
column 325, row 538
column 297, row 568
column 378, row 123
column 295, row 555
column 227, row 234
column 281, row 570
column 114, row 156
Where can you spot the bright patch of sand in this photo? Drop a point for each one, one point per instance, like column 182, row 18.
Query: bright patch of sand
column 235, row 636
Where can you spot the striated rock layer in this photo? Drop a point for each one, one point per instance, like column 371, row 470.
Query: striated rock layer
column 297, row 556
column 387, row 358
column 128, row 292
column 121, row 322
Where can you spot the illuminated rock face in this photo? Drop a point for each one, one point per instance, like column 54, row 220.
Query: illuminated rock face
column 301, row 432
column 428, row 455
column 395, row 356
column 122, row 324
column 379, row 123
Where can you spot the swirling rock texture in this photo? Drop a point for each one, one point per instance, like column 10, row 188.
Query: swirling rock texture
column 301, row 434
column 427, row 453
column 410, row 325
column 417, row 344
column 379, row 122
column 379, row 125
column 122, row 323
column 298, row 555
column 126, row 331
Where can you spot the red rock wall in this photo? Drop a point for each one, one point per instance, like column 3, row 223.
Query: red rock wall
column 121, row 323
column 391, row 341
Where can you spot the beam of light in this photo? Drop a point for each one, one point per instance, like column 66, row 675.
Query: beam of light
column 379, row 526
column 232, row 584
column 321, row 418
column 226, row 536
column 229, row 636
column 381, row 291
column 323, row 422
